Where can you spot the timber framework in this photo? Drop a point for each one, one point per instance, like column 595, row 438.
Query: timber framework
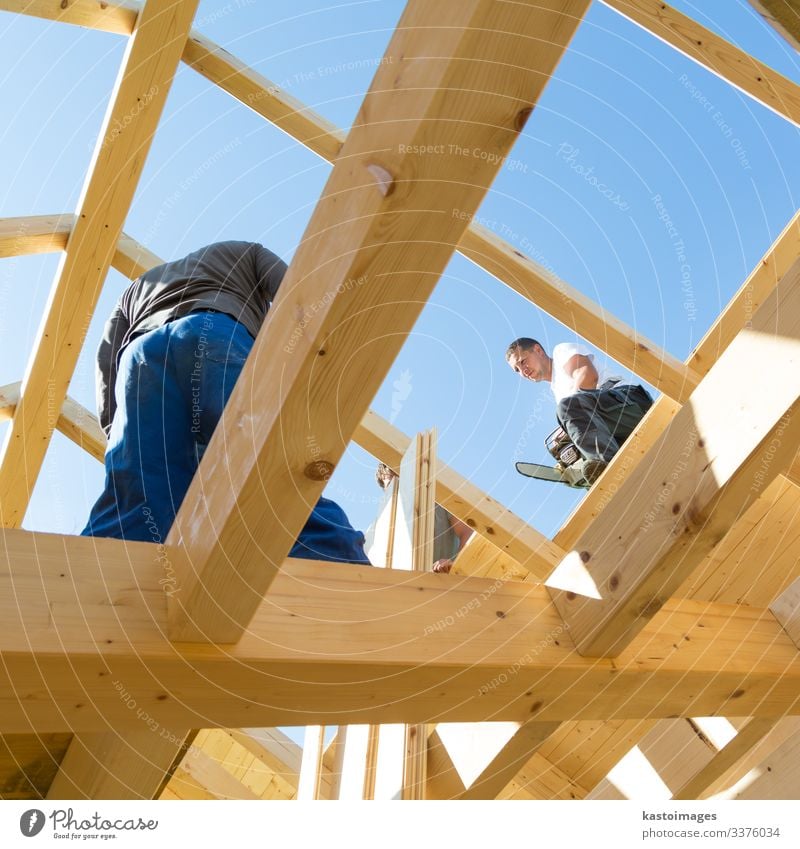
column 540, row 667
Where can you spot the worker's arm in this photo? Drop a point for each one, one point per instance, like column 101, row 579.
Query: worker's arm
column 463, row 533
column 270, row 269
column 106, row 369
column 583, row 373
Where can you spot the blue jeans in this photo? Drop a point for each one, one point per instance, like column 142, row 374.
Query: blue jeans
column 172, row 386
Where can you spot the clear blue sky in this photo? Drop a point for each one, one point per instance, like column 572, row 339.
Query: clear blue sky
column 622, row 104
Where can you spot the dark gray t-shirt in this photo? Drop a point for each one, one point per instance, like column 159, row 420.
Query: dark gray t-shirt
column 237, row 278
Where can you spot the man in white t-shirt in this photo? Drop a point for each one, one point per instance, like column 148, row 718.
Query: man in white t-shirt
column 598, row 411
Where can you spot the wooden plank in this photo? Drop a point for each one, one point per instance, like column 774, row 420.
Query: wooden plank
column 136, row 106
column 442, row 777
column 213, row 777
column 502, row 768
column 714, row 53
column 34, row 234
column 339, row 295
column 28, row 763
column 376, row 645
column 540, row 779
column 465, row 501
column 74, row 421
column 263, row 97
column 113, row 766
column 775, row 777
column 111, row 15
column 703, row 475
column 726, row 759
column 480, row 558
column 414, row 527
column 310, row 781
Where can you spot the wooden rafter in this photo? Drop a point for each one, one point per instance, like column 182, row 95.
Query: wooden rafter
column 118, row 766
column 337, row 324
column 137, row 102
column 714, row 53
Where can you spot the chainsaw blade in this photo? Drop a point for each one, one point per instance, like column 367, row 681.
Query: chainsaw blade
column 548, row 473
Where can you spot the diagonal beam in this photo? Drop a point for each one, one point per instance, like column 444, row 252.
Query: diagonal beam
column 337, row 323
column 506, row 763
column 357, row 645
column 137, row 103
column 578, row 312
column 714, row 53
column 722, row 449
column 112, row 766
column 565, row 303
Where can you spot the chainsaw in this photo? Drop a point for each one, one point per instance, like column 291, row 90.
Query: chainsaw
column 569, row 462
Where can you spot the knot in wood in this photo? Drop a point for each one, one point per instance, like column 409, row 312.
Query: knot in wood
column 319, row 470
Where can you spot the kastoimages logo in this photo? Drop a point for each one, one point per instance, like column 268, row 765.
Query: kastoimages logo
column 31, row 822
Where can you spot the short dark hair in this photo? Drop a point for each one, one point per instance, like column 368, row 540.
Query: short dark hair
column 524, row 343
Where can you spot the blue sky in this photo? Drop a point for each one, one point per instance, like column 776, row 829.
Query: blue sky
column 658, row 132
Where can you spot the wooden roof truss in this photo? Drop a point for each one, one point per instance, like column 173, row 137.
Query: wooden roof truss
column 575, row 652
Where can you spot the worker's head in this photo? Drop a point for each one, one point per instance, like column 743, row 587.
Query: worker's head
column 529, row 359
column 384, row 475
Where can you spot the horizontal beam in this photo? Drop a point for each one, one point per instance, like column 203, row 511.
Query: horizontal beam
column 84, row 638
column 34, row 234
column 714, row 53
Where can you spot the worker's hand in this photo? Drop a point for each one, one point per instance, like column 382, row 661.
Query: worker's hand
column 443, row 566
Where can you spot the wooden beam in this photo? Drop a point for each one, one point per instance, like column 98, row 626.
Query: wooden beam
column 117, row 16
column 85, row 633
column 112, row 766
column 465, row 501
column 336, row 325
column 726, row 759
column 263, row 97
column 443, row 780
column 138, row 100
column 213, row 777
column 704, row 473
column 508, row 761
column 714, row 53
column 309, row 783
column 34, row 234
